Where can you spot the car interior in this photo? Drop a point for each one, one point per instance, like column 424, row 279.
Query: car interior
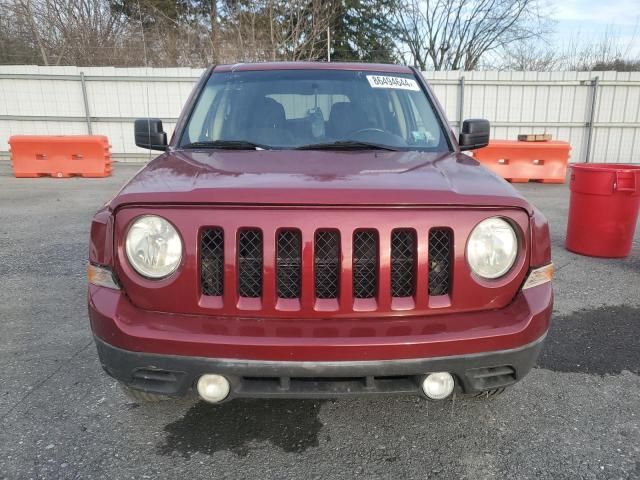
column 292, row 114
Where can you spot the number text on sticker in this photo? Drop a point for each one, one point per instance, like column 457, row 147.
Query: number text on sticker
column 384, row 81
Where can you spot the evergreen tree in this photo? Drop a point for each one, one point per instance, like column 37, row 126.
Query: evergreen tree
column 361, row 31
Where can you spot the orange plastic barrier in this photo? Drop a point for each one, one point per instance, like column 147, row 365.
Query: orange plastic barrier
column 523, row 161
column 60, row 156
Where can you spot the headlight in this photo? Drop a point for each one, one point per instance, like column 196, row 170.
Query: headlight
column 492, row 248
column 153, row 247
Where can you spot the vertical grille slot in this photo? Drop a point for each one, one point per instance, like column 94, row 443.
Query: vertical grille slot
column 365, row 264
column 439, row 261
column 288, row 264
column 212, row 261
column 403, row 263
column 327, row 263
column 250, row 263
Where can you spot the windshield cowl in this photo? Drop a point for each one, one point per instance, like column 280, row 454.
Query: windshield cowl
column 346, row 145
column 226, row 145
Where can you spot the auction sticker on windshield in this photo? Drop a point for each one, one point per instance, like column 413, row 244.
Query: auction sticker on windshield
column 385, row 81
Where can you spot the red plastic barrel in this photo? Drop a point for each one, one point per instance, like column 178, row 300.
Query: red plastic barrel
column 605, row 199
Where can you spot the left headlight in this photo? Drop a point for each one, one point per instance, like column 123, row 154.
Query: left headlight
column 492, row 248
column 153, row 247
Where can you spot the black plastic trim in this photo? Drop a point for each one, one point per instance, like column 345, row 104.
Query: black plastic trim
column 275, row 379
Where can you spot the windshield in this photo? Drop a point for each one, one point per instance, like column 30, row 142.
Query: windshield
column 287, row 109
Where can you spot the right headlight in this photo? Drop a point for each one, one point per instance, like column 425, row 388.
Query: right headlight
column 492, row 248
column 153, row 247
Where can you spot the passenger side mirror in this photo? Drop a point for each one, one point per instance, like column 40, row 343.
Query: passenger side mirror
column 149, row 134
column 474, row 134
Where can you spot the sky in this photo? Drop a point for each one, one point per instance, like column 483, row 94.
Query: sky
column 588, row 18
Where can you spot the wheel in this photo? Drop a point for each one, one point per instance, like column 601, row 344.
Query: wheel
column 141, row 396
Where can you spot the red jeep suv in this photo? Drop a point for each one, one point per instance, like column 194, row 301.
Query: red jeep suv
column 313, row 230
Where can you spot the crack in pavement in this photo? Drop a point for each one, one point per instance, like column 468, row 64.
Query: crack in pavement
column 42, row 382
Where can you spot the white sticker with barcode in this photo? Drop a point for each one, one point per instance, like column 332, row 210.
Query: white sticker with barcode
column 385, row 81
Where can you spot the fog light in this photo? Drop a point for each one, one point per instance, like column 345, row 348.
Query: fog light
column 438, row 386
column 213, row 388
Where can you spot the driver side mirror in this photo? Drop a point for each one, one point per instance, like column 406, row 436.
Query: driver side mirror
column 149, row 134
column 474, row 134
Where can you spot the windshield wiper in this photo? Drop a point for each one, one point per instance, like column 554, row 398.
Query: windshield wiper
column 347, row 145
column 228, row 145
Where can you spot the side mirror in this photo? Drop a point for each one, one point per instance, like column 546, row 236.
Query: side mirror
column 149, row 134
column 474, row 134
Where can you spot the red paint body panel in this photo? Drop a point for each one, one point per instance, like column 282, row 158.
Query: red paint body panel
column 100, row 248
column 288, row 177
column 115, row 320
column 540, row 240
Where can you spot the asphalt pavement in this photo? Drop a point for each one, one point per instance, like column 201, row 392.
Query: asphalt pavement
column 577, row 415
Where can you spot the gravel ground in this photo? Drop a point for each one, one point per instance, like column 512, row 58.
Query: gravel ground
column 577, row 415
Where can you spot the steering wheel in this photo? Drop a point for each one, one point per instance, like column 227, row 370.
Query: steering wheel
column 367, row 130
column 377, row 135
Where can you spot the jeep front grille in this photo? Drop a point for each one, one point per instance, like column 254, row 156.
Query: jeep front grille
column 403, row 263
column 288, row 264
column 365, row 264
column 212, row 261
column 286, row 278
column 439, row 261
column 327, row 263
column 250, row 263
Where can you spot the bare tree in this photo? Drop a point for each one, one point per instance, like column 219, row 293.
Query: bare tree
column 86, row 29
column 531, row 57
column 81, row 32
column 299, row 28
column 28, row 15
column 278, row 30
column 456, row 34
column 244, row 35
column 608, row 51
column 21, row 27
column 601, row 53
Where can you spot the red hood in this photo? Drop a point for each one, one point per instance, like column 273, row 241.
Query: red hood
column 289, row 177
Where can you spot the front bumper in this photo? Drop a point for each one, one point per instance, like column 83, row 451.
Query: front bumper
column 166, row 353
column 177, row 375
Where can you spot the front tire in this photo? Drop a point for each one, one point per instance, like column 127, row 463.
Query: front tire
column 487, row 394
column 141, row 396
